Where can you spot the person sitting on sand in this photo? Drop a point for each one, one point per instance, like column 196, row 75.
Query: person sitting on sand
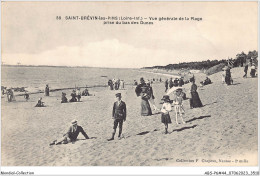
column 135, row 83
column 73, row 96
column 119, row 115
column 63, row 98
column 166, row 108
column 26, row 96
column 178, row 105
column 207, row 81
column 85, row 92
column 71, row 135
column 40, row 103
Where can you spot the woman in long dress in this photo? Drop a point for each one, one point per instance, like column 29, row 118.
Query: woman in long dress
column 228, row 76
column 145, row 106
column 195, row 99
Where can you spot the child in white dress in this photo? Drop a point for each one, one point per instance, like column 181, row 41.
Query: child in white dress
column 166, row 108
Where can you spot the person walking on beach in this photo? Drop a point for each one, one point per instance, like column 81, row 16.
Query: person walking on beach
column 78, row 93
column 228, row 75
column 10, row 95
column 178, row 105
column 223, row 75
column 181, row 82
column 119, row 116
column 166, row 85
column 71, row 135
column 195, row 99
column 110, row 84
column 166, row 108
column 170, row 83
column 245, row 70
column 145, row 106
column 47, row 90
column 142, row 90
column 151, row 99
column 253, row 70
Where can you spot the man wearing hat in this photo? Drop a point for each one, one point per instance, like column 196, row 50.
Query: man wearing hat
column 72, row 134
column 119, row 115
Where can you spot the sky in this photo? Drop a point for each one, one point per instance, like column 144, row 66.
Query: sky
column 32, row 35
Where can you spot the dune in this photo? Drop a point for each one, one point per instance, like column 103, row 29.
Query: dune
column 224, row 129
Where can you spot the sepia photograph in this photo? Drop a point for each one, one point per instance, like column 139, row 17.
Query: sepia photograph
column 121, row 83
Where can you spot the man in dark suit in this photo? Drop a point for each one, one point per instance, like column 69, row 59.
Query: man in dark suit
column 119, row 115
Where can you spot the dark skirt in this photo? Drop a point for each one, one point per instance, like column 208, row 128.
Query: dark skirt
column 227, row 80
column 166, row 118
column 195, row 100
column 145, row 108
column 252, row 72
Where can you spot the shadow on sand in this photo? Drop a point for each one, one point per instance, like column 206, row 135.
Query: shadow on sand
column 184, row 128
column 197, row 118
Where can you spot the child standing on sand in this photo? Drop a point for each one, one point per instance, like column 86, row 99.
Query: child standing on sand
column 166, row 108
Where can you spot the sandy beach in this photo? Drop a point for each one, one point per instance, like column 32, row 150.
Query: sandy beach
column 224, row 129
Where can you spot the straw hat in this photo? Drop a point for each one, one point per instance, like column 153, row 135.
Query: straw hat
column 73, row 122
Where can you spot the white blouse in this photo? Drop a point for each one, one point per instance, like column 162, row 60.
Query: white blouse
column 166, row 108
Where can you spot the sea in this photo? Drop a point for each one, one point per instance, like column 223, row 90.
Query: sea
column 35, row 78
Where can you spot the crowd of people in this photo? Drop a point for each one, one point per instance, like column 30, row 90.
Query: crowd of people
column 144, row 90
column 252, row 67
column 116, row 84
column 173, row 83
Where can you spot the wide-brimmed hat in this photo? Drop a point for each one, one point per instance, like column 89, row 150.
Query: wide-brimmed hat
column 179, row 90
column 166, row 98
column 118, row 95
column 73, row 122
